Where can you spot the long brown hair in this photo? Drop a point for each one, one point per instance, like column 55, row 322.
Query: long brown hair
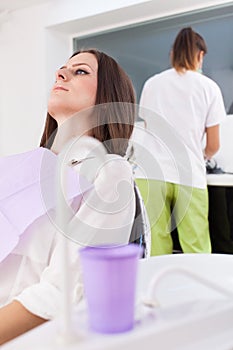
column 185, row 49
column 116, row 115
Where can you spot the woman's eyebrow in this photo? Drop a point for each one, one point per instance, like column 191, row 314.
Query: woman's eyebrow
column 81, row 64
column 78, row 64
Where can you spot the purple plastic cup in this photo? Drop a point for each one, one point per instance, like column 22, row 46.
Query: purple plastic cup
column 110, row 276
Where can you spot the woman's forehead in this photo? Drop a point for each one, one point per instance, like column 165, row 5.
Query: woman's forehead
column 84, row 58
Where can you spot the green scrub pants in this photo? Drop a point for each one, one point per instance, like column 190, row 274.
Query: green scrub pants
column 189, row 208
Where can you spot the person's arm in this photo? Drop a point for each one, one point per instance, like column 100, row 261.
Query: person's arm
column 107, row 211
column 16, row 320
column 111, row 224
column 41, row 299
column 212, row 141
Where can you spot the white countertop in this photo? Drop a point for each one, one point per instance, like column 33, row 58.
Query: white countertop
column 220, row 179
column 190, row 316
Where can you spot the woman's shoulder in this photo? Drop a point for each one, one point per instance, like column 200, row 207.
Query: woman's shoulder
column 116, row 167
column 91, row 160
column 166, row 74
column 203, row 79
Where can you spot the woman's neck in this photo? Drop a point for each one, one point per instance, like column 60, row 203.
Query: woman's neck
column 73, row 127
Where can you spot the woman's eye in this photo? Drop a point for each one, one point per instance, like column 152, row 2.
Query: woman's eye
column 80, row 72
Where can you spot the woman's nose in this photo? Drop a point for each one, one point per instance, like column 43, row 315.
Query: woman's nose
column 62, row 74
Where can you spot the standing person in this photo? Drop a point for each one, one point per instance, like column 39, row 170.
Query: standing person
column 192, row 106
column 31, row 281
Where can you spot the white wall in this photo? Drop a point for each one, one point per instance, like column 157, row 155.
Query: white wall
column 23, row 79
column 36, row 40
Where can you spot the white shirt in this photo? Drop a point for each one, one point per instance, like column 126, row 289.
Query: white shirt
column 32, row 272
column 177, row 109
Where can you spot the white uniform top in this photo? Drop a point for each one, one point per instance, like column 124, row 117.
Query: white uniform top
column 32, row 272
column 185, row 105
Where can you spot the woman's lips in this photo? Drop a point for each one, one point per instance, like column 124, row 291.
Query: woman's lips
column 59, row 87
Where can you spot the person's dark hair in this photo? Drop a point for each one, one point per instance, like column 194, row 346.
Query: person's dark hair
column 116, row 116
column 187, row 45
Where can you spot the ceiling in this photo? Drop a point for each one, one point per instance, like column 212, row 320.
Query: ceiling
column 12, row 5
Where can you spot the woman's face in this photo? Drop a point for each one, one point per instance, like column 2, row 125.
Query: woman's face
column 75, row 87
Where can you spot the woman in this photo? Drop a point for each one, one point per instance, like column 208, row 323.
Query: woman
column 186, row 106
column 93, row 94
